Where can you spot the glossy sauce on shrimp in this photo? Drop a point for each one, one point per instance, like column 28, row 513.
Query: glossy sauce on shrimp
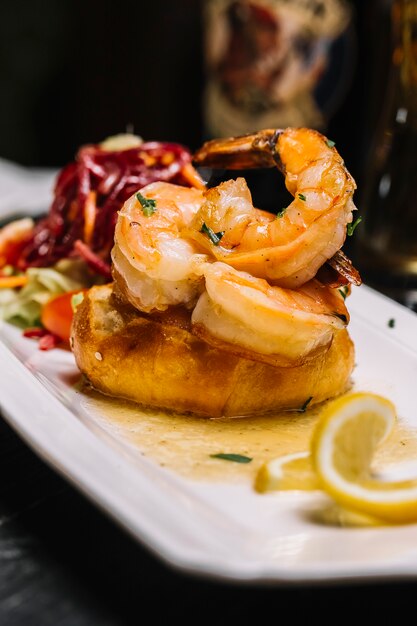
column 288, row 249
column 279, row 326
column 153, row 265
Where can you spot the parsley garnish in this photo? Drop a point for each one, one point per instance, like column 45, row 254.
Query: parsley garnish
column 215, row 238
column 344, row 292
column 281, row 213
column 391, row 323
column 302, row 197
column 305, row 405
column 331, row 143
column 236, row 458
column 148, row 205
column 351, row 227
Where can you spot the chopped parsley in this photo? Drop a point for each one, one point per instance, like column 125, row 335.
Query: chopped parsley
column 148, row 205
column 302, row 197
column 351, row 227
column 391, row 323
column 344, row 291
column 215, row 238
column 305, row 405
column 281, row 213
column 235, row 458
column 331, row 143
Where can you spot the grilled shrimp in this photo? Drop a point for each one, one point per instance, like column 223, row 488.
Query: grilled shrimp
column 247, row 316
column 153, row 265
column 248, row 275
column 287, row 249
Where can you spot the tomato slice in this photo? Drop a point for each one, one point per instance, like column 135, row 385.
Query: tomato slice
column 57, row 315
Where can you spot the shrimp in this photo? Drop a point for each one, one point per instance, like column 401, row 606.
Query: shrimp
column 287, row 249
column 245, row 315
column 153, row 265
column 247, row 275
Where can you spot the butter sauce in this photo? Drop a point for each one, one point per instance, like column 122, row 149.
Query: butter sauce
column 184, row 443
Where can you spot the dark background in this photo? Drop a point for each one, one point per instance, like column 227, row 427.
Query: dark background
column 74, row 72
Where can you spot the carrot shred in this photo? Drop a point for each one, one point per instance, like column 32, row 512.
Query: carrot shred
column 9, row 282
column 89, row 216
column 192, row 177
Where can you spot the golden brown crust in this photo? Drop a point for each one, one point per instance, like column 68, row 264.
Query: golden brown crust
column 156, row 361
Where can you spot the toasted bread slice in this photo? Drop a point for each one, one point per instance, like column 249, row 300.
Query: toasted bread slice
column 156, row 361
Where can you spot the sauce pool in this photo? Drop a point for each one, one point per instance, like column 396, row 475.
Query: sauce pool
column 185, row 443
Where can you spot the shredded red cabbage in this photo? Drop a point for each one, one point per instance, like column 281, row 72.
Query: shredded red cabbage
column 35, row 333
column 93, row 261
column 89, row 192
column 47, row 340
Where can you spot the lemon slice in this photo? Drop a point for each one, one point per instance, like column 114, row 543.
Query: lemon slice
column 343, row 445
column 288, row 472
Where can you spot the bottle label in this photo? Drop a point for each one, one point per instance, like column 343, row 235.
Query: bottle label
column 265, row 62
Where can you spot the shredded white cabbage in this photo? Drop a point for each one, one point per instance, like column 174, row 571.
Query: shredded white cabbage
column 24, row 307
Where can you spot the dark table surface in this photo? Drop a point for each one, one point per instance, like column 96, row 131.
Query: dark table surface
column 63, row 562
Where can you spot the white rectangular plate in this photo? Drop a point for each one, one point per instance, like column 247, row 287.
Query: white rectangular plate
column 221, row 530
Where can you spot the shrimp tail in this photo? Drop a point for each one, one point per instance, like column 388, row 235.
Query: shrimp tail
column 251, row 151
column 345, row 268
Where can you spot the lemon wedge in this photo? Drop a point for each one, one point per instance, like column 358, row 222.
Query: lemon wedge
column 288, row 472
column 343, row 444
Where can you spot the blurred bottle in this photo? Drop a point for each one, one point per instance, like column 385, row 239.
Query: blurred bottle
column 274, row 63
column 387, row 240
